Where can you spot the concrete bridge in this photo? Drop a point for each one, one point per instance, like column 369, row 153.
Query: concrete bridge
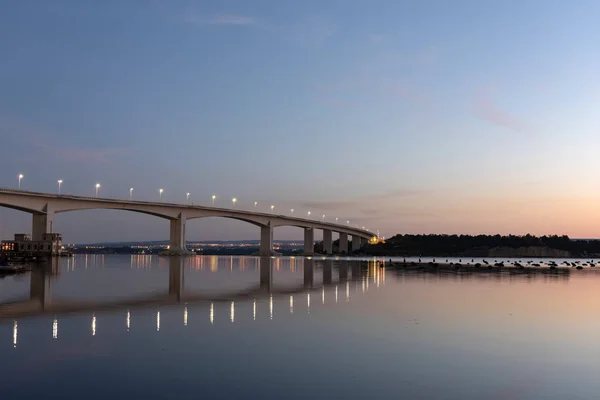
column 45, row 206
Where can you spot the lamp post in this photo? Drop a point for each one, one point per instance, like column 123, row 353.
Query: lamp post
column 255, row 203
column 130, row 194
column 233, row 201
column 272, row 208
column 323, row 217
column 97, row 188
column 213, row 199
column 59, row 183
column 160, row 192
column 336, row 219
column 347, row 222
column 309, row 214
column 20, row 177
column 187, row 197
column 292, row 211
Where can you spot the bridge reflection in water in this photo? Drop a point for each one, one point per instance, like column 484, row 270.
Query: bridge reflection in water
column 360, row 273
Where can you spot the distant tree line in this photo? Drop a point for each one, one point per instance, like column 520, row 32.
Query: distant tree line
column 468, row 245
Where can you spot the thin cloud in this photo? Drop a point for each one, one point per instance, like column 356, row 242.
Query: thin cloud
column 486, row 108
column 80, row 154
column 360, row 203
column 221, row 19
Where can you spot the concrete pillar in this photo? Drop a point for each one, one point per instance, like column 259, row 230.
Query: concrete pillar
column 266, row 274
column 309, row 273
column 327, row 241
column 343, row 271
column 39, row 287
column 343, row 248
column 309, row 241
column 177, row 239
column 355, row 243
column 176, row 277
column 327, row 272
column 41, row 223
column 266, row 241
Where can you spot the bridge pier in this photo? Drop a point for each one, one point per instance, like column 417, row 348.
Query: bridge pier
column 177, row 245
column 41, row 223
column 309, row 273
column 309, row 241
column 327, row 241
column 176, row 277
column 266, row 241
column 343, row 247
column 266, row 274
column 355, row 243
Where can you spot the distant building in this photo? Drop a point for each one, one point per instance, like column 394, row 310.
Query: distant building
column 50, row 245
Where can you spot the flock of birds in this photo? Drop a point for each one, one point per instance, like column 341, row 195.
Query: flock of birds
column 500, row 264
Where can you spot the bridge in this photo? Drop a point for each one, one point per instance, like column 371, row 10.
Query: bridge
column 45, row 206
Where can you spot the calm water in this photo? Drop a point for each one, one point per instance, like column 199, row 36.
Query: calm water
column 146, row 327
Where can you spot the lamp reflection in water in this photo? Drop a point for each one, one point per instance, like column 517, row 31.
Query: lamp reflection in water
column 308, row 301
column 157, row 321
column 336, row 293
column 128, row 320
column 55, row 328
column 323, row 296
column 232, row 312
column 15, row 334
column 291, row 304
column 347, row 291
column 185, row 312
column 271, row 307
column 212, row 313
column 254, row 310
column 93, row 324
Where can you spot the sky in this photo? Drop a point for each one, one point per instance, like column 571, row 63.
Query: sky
column 401, row 116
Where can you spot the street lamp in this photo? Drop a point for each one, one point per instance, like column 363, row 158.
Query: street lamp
column 347, row 222
column 272, row 208
column 160, row 192
column 292, row 211
column 233, row 201
column 130, row 194
column 213, row 198
column 187, row 196
column 20, row 177
column 323, row 217
column 97, row 187
column 336, row 218
column 255, row 203
column 309, row 214
column 59, row 183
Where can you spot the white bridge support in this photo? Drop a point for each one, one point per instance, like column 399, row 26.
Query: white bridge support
column 327, row 241
column 343, row 247
column 42, row 223
column 177, row 238
column 355, row 243
column 309, row 241
column 266, row 241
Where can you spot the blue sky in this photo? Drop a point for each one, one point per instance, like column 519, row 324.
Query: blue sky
column 403, row 116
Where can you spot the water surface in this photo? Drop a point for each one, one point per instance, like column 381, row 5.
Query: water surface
column 230, row 327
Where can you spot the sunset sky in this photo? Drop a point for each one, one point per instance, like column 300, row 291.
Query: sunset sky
column 401, row 116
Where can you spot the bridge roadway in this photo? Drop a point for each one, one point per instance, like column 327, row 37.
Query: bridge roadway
column 44, row 207
column 41, row 301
